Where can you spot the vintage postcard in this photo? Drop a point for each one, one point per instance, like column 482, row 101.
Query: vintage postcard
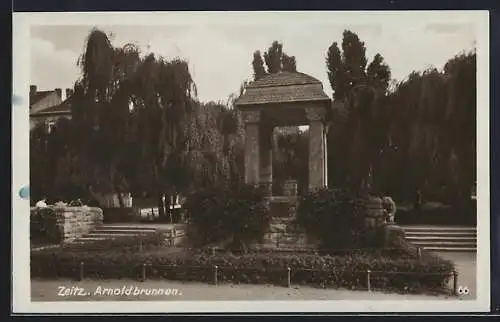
column 251, row 162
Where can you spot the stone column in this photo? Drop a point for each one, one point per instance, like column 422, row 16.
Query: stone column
column 251, row 119
column 266, row 156
column 325, row 145
column 317, row 160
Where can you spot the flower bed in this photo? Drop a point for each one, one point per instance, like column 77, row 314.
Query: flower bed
column 397, row 271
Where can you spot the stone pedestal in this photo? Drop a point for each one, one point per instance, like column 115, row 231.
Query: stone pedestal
column 393, row 235
column 374, row 212
column 63, row 223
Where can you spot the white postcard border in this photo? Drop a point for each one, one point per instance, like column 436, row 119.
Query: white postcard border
column 22, row 22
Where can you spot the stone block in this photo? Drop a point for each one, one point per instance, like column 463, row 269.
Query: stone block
column 63, row 223
column 391, row 235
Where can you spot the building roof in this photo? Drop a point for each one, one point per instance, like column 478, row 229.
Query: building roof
column 38, row 96
column 63, row 108
column 283, row 87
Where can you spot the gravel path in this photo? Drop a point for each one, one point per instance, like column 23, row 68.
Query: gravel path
column 47, row 290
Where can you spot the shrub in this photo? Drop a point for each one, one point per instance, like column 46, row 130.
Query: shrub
column 38, row 231
column 237, row 213
column 43, row 225
column 334, row 217
column 389, row 271
column 36, row 222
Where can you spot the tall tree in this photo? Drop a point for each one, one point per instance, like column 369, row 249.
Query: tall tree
column 258, row 65
column 336, row 72
column 362, row 91
column 354, row 58
column 275, row 59
column 101, row 105
column 273, row 56
column 378, row 73
column 288, row 63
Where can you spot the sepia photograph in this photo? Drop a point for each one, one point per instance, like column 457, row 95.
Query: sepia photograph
column 250, row 162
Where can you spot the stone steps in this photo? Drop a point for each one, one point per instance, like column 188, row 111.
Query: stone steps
column 113, row 231
column 443, row 238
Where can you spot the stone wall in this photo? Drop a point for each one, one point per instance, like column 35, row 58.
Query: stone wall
column 283, row 234
column 287, row 241
column 176, row 236
column 63, row 223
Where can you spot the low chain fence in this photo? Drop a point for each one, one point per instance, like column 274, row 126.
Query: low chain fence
column 219, row 274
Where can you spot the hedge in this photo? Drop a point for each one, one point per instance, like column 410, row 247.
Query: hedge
column 398, row 272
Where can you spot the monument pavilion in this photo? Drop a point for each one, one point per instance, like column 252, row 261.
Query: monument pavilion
column 284, row 99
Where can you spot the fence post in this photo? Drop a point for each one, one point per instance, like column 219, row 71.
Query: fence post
column 289, row 277
column 455, row 282
column 140, row 243
column 213, row 251
column 368, row 282
column 419, row 252
column 216, row 270
column 144, row 276
column 81, row 275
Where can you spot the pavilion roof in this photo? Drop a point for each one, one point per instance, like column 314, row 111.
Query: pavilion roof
column 283, row 87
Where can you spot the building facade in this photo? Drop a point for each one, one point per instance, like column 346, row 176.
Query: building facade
column 49, row 106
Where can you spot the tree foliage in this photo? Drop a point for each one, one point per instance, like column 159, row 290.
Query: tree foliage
column 420, row 135
column 359, row 132
column 136, row 127
column 258, row 65
column 275, row 59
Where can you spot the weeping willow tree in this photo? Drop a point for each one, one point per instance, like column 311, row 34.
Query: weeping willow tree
column 140, row 127
column 433, row 130
column 100, row 107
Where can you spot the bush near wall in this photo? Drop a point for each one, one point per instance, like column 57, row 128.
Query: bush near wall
column 336, row 218
column 237, row 214
column 396, row 272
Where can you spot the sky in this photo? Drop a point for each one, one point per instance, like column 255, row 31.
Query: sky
column 220, row 55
